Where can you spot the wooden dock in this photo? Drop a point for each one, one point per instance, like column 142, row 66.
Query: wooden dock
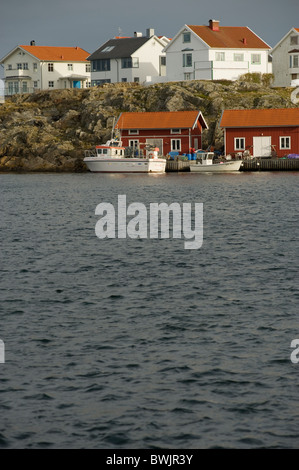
column 271, row 164
column 258, row 164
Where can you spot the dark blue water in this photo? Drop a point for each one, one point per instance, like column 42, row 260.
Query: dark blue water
column 130, row 344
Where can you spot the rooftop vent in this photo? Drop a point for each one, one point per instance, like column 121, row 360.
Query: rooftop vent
column 137, row 34
column 32, row 43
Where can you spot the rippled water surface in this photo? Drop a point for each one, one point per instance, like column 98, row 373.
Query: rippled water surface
column 141, row 343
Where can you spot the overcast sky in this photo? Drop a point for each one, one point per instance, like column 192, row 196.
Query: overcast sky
column 89, row 23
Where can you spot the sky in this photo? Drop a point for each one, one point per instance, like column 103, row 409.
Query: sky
column 90, row 23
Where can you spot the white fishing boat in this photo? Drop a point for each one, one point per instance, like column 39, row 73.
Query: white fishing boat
column 111, row 158
column 206, row 164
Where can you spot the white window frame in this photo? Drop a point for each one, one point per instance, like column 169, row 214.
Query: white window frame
column 134, row 144
column 238, row 57
column 186, row 37
column 51, row 84
column 294, row 61
column 176, row 145
column 256, row 59
column 239, row 144
column 50, row 67
column 133, row 131
column 70, row 67
column 186, row 60
column 175, row 131
column 219, row 56
column 285, row 142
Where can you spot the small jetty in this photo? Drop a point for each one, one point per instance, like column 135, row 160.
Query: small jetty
column 257, row 164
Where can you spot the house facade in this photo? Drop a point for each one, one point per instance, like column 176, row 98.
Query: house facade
column 32, row 68
column 286, row 59
column 215, row 52
column 176, row 131
column 129, row 59
column 261, row 132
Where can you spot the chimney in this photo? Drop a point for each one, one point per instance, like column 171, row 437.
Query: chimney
column 150, row 32
column 214, row 25
column 32, row 43
column 245, row 41
column 137, row 34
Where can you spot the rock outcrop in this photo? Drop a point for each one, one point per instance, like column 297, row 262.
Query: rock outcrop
column 49, row 130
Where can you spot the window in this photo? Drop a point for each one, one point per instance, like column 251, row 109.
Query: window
column 175, row 131
column 255, row 58
column 134, row 143
column 70, row 67
column 294, row 61
column 24, row 87
column 293, row 40
column 100, row 82
column 35, row 84
column 136, row 79
column 9, row 67
column 238, row 57
column 25, row 66
column 187, row 76
column 34, row 67
column 51, row 84
column 108, row 48
column 50, row 67
column 163, row 60
column 175, row 144
column 186, row 37
column 129, row 62
column 187, row 60
column 87, row 67
column 239, row 143
column 220, row 56
column 284, row 143
column 133, row 131
column 100, row 65
column 124, row 80
column 19, row 66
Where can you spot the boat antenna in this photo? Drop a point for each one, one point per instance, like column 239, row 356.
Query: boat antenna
column 112, row 130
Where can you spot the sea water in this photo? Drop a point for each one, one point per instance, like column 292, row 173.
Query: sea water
column 141, row 343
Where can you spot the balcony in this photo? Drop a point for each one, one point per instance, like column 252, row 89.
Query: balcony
column 17, row 74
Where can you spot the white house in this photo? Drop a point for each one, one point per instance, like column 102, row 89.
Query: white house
column 31, row 68
column 215, row 52
column 1, row 91
column 129, row 59
column 286, row 59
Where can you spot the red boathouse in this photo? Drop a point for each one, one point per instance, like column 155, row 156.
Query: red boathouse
column 261, row 132
column 176, row 131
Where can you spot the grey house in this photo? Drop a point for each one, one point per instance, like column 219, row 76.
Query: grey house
column 129, row 59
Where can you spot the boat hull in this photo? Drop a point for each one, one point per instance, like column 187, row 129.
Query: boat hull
column 126, row 165
column 216, row 167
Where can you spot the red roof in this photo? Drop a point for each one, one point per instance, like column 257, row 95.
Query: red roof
column 73, row 54
column 233, row 37
column 160, row 120
column 285, row 117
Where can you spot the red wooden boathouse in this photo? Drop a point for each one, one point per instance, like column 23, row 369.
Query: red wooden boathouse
column 261, row 132
column 176, row 131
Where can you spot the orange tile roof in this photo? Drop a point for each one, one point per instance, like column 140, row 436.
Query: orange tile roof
column 229, row 37
column 297, row 29
column 260, row 117
column 160, row 120
column 74, row 54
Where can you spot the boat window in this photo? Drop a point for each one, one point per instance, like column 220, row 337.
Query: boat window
column 120, row 152
column 99, row 151
column 105, row 151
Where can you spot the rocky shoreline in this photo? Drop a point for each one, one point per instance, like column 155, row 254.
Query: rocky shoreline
column 49, row 130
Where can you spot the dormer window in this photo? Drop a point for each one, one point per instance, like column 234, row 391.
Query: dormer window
column 175, row 131
column 294, row 40
column 133, row 131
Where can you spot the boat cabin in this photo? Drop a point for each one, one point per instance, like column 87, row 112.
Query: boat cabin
column 205, row 157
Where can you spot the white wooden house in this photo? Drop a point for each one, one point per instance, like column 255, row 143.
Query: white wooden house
column 285, row 57
column 32, row 68
column 129, row 59
column 215, row 52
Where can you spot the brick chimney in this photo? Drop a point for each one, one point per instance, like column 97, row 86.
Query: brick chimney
column 214, row 25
